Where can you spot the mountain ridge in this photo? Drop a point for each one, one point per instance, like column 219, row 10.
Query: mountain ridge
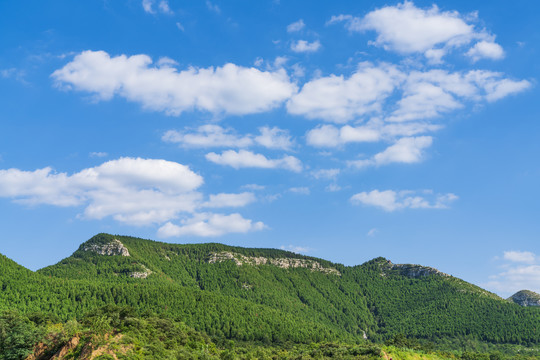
column 270, row 295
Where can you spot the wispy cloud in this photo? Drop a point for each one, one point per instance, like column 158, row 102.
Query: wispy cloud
column 303, row 46
column 162, row 6
column 213, row 7
column 296, row 26
column 98, row 154
column 390, row 200
column 248, row 159
column 207, row 136
column 300, row 190
column 295, row 248
column 406, row 150
column 520, row 270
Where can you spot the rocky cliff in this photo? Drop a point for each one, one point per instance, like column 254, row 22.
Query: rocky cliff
column 284, row 263
column 526, row 298
column 115, row 247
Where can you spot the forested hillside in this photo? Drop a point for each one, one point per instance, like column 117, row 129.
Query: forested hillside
column 267, row 296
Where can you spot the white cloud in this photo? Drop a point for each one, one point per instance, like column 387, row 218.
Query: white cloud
column 305, row 46
column 300, row 190
column 406, row 150
column 253, row 187
column 327, row 174
column 13, row 73
column 163, row 6
column 180, row 26
column 397, row 94
column 372, row 232
column 280, row 61
column 407, row 29
column 274, row 138
column 389, row 92
column 352, row 23
column 375, row 130
column 209, row 135
column 131, row 190
column 98, row 154
column 330, row 136
column 248, row 159
column 296, row 26
column 334, row 98
column 526, row 257
column 324, row 136
column 229, row 89
column 486, row 50
column 496, row 87
column 521, row 271
column 210, row 225
column 298, row 70
column 229, row 200
column 390, row 200
column 432, row 93
column 213, row 7
column 295, row 248
column 426, row 96
column 333, row 188
column 147, row 6
column 423, row 100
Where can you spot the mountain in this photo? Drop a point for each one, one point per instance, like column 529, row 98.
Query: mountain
column 213, row 286
column 526, row 298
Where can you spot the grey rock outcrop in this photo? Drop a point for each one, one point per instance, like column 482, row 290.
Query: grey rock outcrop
column 284, row 263
column 526, row 298
column 417, row 271
column 141, row 274
column 408, row 270
column 115, row 247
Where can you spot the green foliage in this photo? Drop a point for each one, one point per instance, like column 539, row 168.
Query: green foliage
column 17, row 335
column 262, row 304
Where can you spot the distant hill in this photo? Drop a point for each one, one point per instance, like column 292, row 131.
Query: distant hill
column 270, row 295
column 526, row 298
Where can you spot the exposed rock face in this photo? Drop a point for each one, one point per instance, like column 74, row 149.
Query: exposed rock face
column 417, row 271
column 141, row 275
column 409, row 270
column 42, row 348
column 526, row 298
column 284, row 263
column 115, row 247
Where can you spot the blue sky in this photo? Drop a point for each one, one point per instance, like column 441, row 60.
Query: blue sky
column 340, row 130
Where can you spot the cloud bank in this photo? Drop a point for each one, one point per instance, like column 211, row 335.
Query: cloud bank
column 133, row 191
column 390, row 200
column 407, row 29
column 229, row 89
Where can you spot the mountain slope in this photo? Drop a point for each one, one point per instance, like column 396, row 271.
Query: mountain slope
column 300, row 291
column 265, row 294
column 378, row 298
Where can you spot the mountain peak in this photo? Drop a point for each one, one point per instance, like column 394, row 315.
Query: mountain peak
column 105, row 244
column 526, row 298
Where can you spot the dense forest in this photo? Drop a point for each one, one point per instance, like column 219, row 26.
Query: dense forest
column 265, row 301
